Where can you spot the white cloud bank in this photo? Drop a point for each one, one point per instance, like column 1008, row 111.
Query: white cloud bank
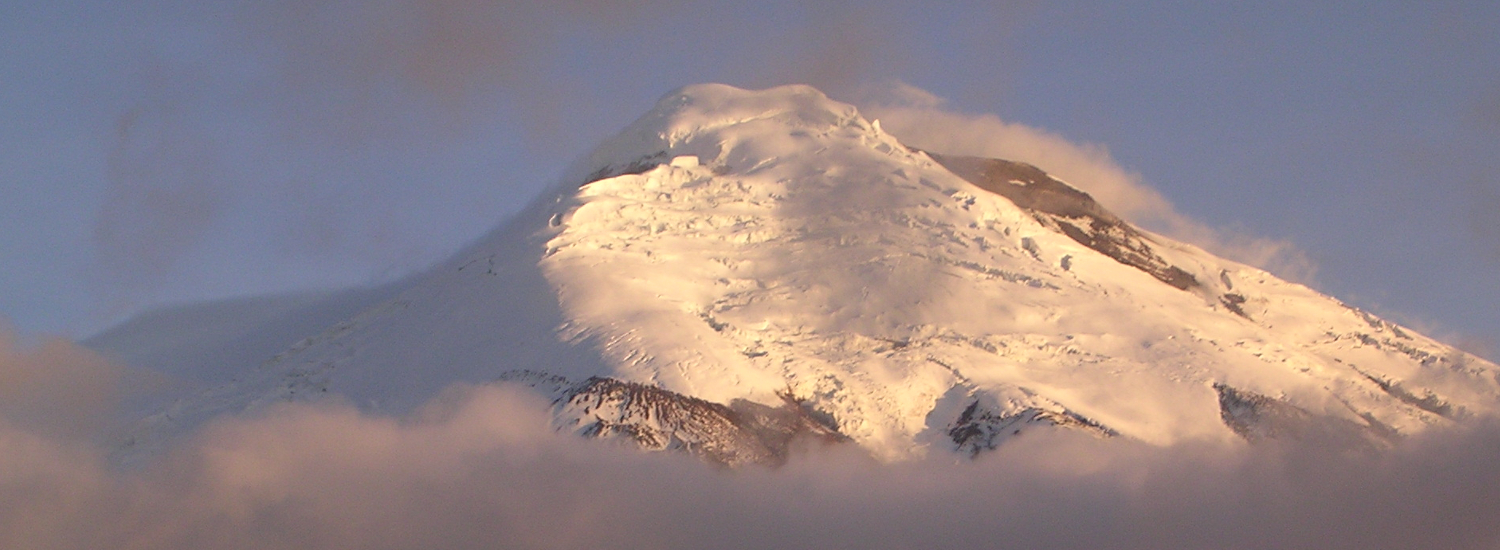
column 479, row 468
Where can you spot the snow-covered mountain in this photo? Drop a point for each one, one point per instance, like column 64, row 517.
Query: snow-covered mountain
column 740, row 270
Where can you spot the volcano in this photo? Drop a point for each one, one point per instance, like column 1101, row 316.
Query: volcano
column 739, row 271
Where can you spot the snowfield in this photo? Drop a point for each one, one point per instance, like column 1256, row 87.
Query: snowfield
column 777, row 256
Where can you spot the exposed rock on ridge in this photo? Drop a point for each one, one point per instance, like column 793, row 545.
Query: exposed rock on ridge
column 1071, row 211
column 649, row 417
column 734, row 247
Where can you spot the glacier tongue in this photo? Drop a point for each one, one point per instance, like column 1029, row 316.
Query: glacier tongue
column 767, row 247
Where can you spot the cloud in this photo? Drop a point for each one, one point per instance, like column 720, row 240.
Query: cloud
column 480, row 468
column 367, row 71
column 57, row 388
column 837, row 47
column 262, row 135
column 264, row 146
column 164, row 188
column 922, row 120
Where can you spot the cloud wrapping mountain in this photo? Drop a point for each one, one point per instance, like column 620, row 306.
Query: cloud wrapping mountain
column 480, row 468
column 986, row 356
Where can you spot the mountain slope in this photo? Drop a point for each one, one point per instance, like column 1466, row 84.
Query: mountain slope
column 737, row 249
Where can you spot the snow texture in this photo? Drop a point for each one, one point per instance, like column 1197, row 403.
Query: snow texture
column 774, row 248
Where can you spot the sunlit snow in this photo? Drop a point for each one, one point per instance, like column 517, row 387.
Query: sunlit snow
column 735, row 244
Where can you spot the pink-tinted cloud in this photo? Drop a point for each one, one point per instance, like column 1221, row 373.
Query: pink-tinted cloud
column 57, row 388
column 479, row 468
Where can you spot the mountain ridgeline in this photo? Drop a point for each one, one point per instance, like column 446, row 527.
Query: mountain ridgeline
column 740, row 273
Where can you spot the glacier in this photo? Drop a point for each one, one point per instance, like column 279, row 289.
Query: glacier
column 739, row 270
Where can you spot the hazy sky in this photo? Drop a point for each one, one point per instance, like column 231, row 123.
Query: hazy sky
column 163, row 151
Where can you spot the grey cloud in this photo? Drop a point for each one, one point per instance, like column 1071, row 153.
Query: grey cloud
column 839, row 47
column 58, row 389
column 314, row 126
column 368, row 71
column 164, row 188
column 480, row 469
column 294, row 122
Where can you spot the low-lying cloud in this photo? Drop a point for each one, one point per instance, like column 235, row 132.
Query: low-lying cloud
column 480, row 468
column 57, row 388
column 922, row 120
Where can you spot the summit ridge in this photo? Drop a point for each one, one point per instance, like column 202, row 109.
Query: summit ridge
column 787, row 269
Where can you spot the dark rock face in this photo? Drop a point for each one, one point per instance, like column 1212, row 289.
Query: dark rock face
column 1257, row 418
column 1072, row 212
column 653, row 418
column 639, row 166
column 1429, row 401
column 979, row 429
column 1234, row 303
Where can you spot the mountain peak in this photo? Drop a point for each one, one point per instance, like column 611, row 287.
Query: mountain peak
column 695, row 120
column 737, row 267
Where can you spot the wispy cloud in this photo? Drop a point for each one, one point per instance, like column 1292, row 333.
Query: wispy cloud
column 292, row 132
column 164, row 188
column 923, row 120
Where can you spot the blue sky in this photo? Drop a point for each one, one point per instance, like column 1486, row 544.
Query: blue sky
column 163, row 151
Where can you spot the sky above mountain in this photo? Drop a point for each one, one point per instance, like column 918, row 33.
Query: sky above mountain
column 165, row 151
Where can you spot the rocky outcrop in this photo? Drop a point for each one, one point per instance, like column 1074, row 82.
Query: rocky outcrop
column 652, row 418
